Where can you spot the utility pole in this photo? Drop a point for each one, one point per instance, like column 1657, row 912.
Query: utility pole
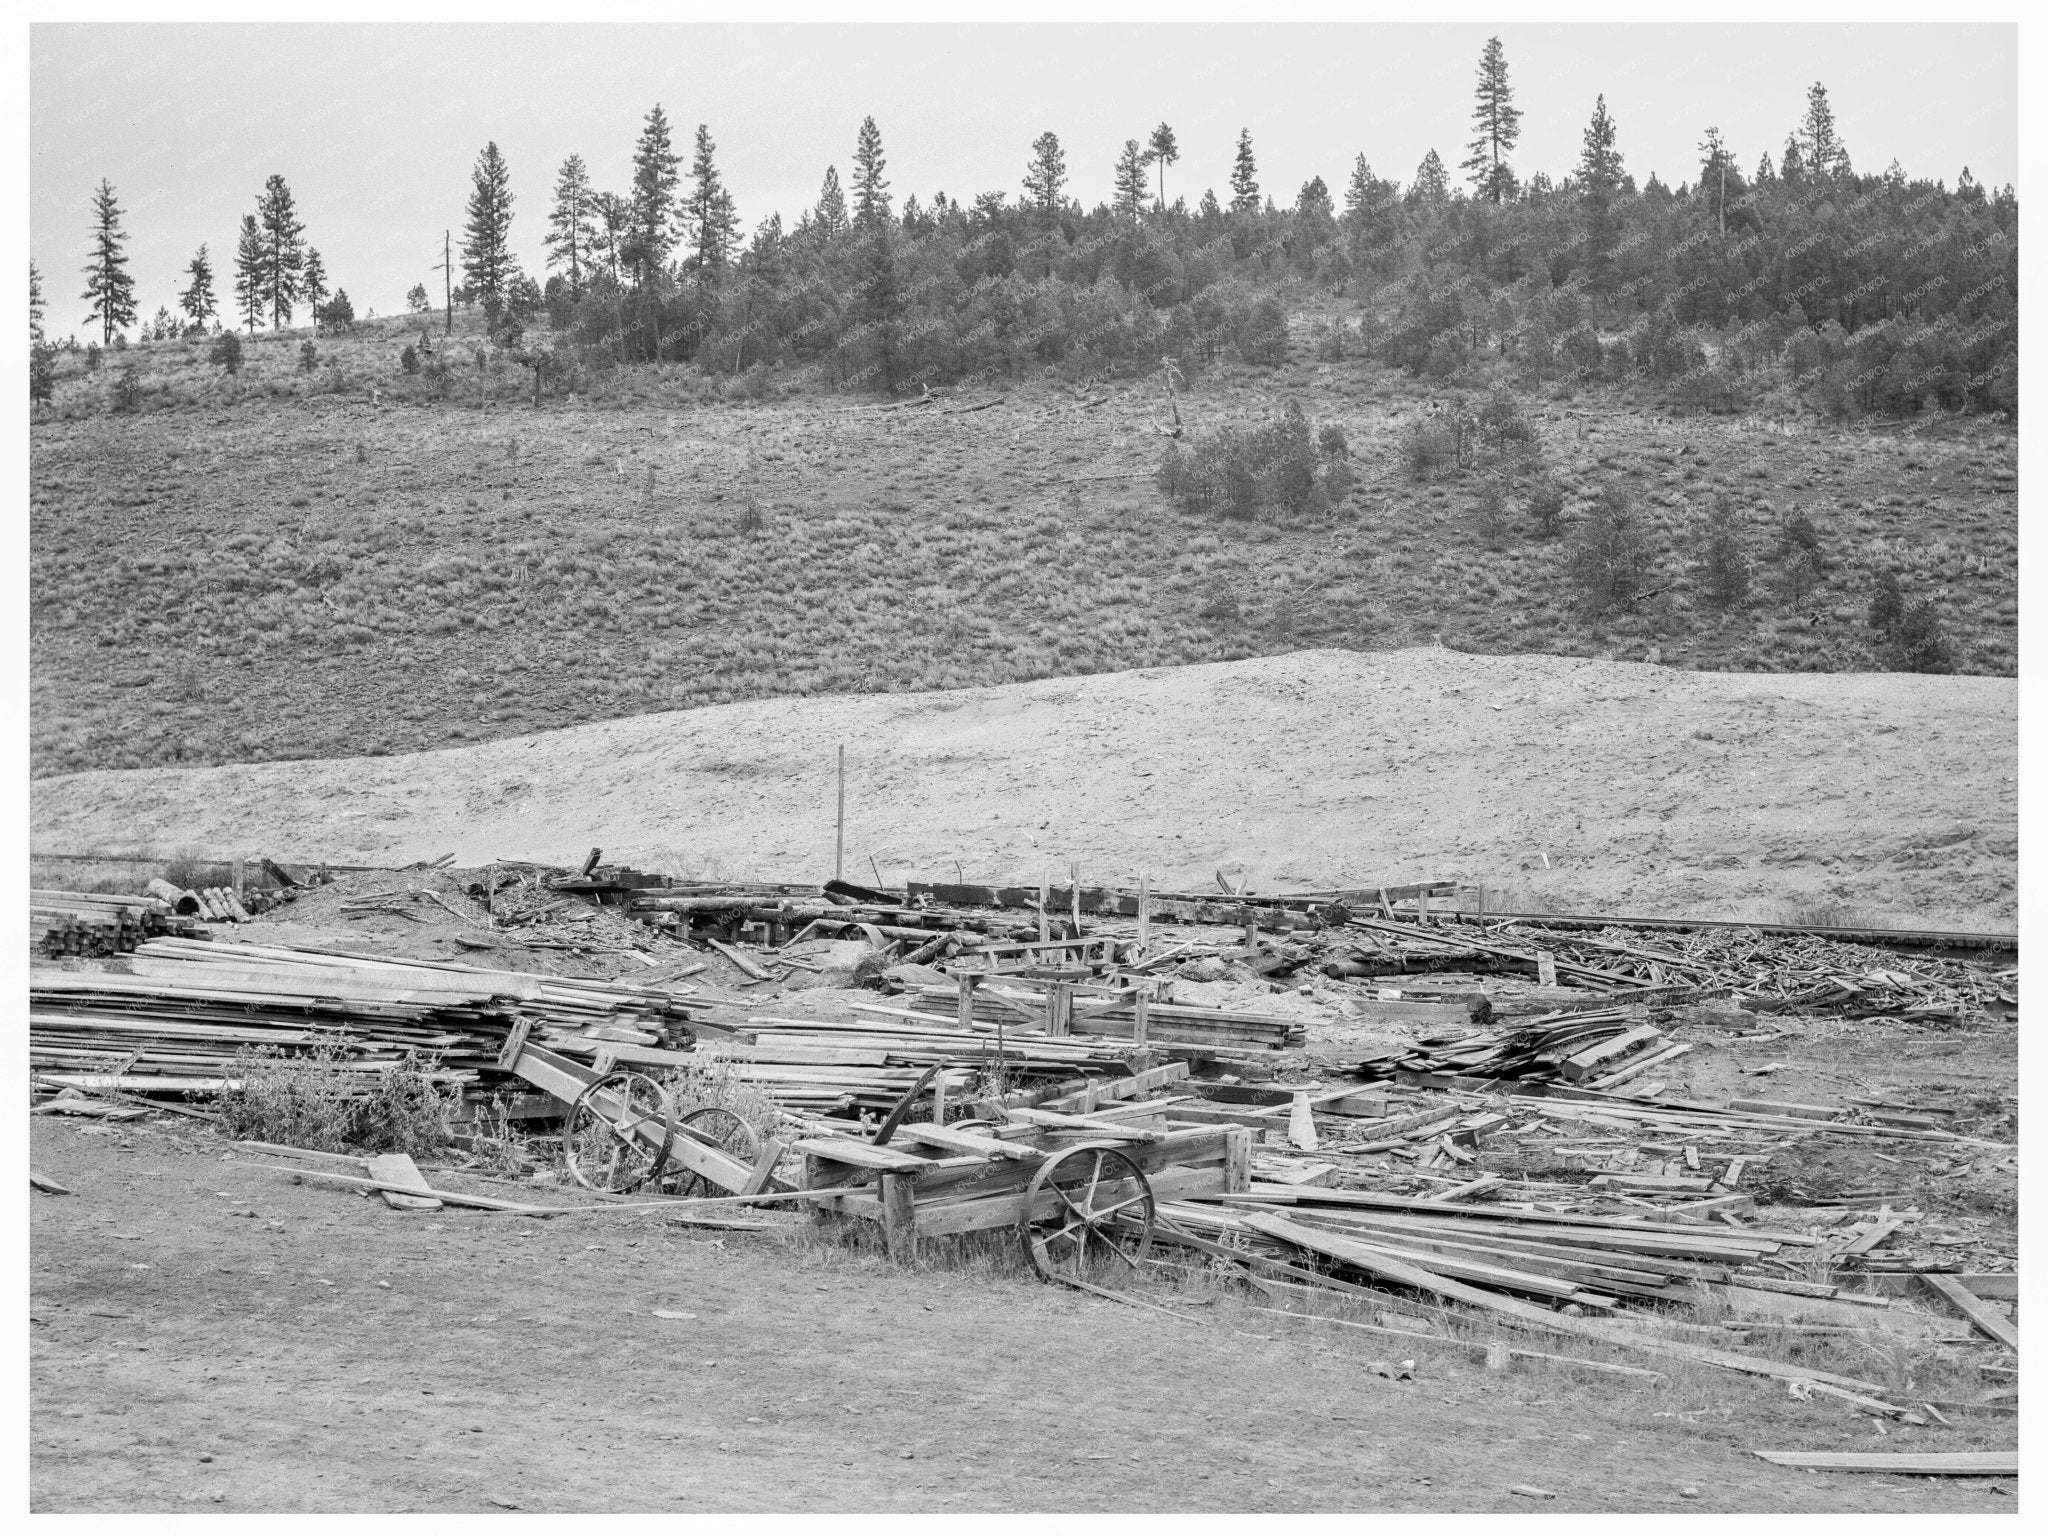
column 839, row 845
column 448, row 278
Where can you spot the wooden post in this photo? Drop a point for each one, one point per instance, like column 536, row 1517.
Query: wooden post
column 839, row 843
column 899, row 1217
column 1546, row 968
column 1144, row 911
column 939, row 1097
column 1140, row 1005
column 238, row 880
column 966, row 982
column 1044, row 900
column 1074, row 892
column 1058, row 1000
column 1422, row 904
column 1251, row 928
column 1237, row 1159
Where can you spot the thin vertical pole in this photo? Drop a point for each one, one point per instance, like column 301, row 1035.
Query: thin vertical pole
column 1074, row 887
column 1144, row 911
column 1044, row 899
column 448, row 277
column 839, row 845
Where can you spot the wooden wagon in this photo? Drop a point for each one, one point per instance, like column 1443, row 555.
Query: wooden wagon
column 1080, row 1190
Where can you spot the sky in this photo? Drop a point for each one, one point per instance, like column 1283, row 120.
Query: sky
column 377, row 126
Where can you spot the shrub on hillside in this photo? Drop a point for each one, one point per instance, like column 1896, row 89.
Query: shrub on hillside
column 226, row 351
column 1724, row 565
column 42, row 372
column 127, row 391
column 1546, row 505
column 1609, row 556
column 1490, row 514
column 1242, row 471
column 1919, row 641
column 1887, row 602
column 1427, row 446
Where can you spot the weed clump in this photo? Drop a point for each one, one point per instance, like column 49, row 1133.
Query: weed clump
column 325, row 1100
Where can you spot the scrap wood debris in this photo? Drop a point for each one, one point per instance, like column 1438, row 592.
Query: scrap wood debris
column 1103, row 1071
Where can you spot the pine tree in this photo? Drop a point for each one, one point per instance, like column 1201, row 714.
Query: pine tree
column 714, row 223
column 35, row 303
column 1244, row 176
column 249, row 269
column 284, row 250
column 570, row 235
column 1716, row 165
column 197, row 301
column 487, row 264
column 1765, row 174
column 1163, row 150
column 1432, row 185
column 870, row 191
column 831, row 210
column 1046, row 174
column 313, row 285
column 1825, row 154
column 1792, row 164
column 613, row 221
column 1600, row 170
column 1130, row 180
column 1497, row 124
column 108, row 285
column 647, row 241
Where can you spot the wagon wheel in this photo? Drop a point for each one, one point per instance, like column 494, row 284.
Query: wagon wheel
column 719, row 1128
column 619, row 1132
column 1100, row 1228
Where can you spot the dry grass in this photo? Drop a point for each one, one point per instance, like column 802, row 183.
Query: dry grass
column 324, row 1100
column 261, row 568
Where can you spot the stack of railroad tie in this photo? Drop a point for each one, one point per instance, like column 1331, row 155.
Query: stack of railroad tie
column 88, row 923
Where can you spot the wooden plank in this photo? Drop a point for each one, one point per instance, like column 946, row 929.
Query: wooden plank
column 862, row 1154
column 1985, row 1317
column 1902, row 1463
column 899, row 1217
column 398, row 1168
column 1365, row 1256
column 745, row 962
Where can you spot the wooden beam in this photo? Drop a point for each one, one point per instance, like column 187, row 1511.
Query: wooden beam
column 1984, row 1317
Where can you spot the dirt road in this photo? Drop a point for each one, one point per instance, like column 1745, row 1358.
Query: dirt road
column 206, row 1335
column 1562, row 784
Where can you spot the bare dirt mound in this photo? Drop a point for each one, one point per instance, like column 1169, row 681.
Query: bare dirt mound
column 1561, row 783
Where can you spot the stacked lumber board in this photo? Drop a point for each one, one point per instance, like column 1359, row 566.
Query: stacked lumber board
column 1012, row 1001
column 89, row 923
column 180, row 1013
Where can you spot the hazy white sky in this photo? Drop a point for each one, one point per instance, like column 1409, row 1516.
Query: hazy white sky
column 376, row 126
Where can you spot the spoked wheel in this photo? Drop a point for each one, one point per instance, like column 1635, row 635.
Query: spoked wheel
column 1099, row 1229
column 619, row 1133
column 719, row 1128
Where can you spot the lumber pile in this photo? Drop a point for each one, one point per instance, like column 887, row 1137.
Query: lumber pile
column 1595, row 1048
column 1108, row 1013
column 82, row 923
column 176, row 1020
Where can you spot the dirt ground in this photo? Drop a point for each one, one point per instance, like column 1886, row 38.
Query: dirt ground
column 1562, row 784
column 206, row 1334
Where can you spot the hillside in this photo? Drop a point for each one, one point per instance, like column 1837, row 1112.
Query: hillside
column 277, row 567
column 1567, row 784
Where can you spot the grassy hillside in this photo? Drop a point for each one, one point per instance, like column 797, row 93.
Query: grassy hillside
column 277, row 567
